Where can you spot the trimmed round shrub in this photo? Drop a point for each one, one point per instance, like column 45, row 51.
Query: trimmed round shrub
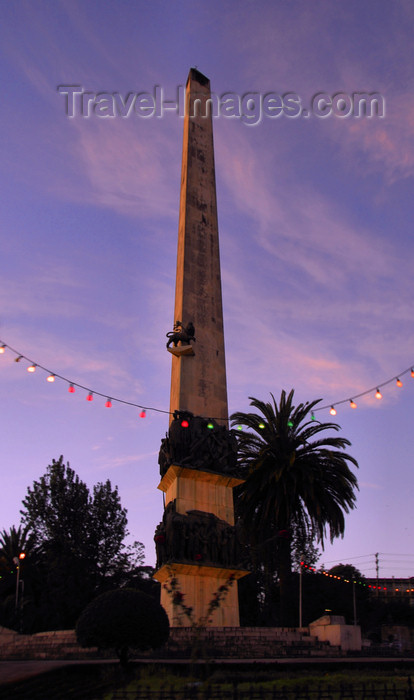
column 122, row 619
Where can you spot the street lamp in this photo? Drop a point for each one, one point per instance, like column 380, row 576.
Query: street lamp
column 17, row 560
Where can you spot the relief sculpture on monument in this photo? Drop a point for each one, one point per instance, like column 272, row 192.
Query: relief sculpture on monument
column 199, row 443
column 196, row 537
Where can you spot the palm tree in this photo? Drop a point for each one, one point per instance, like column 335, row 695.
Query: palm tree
column 12, row 543
column 294, row 477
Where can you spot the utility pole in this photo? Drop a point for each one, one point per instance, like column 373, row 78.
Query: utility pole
column 377, row 569
column 354, row 601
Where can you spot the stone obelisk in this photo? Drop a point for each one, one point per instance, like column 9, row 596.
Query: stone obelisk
column 199, row 384
column 196, row 542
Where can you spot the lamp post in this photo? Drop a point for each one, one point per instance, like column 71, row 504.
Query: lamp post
column 17, row 560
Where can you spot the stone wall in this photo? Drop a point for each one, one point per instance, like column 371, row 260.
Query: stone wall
column 332, row 629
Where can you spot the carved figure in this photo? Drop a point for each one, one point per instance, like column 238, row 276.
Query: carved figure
column 181, row 334
column 196, row 537
column 203, row 444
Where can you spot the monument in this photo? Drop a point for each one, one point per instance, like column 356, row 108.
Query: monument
column 196, row 541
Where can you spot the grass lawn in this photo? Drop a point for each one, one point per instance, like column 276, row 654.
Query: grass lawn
column 160, row 677
column 107, row 681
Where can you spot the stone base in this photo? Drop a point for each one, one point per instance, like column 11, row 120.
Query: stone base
column 332, row 629
column 198, row 583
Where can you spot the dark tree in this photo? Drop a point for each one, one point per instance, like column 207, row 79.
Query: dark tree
column 346, row 571
column 56, row 510
column 62, row 517
column 77, row 539
column 303, row 546
column 108, row 524
column 295, row 478
column 121, row 620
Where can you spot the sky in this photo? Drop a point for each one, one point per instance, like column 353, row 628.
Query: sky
column 315, row 219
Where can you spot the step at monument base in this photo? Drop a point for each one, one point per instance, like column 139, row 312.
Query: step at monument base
column 245, row 643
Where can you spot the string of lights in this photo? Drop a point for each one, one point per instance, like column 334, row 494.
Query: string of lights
column 52, row 376
column 378, row 394
column 72, row 385
column 360, row 582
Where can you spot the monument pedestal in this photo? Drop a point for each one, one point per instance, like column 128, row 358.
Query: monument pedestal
column 199, row 584
column 194, row 489
column 199, row 490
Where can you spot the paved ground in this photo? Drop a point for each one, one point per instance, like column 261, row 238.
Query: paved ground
column 12, row 671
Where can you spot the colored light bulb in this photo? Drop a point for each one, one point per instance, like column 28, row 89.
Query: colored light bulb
column 108, row 403
column 399, row 382
column 352, row 403
column 210, row 426
column 2, row 349
column 31, row 368
column 71, row 389
column 184, row 423
column 378, row 394
column 50, row 378
column 89, row 396
column 332, row 411
column 262, row 426
column 142, row 414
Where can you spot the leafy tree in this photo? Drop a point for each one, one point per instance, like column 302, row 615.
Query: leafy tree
column 295, row 478
column 63, row 518
column 55, row 510
column 346, row 571
column 303, row 546
column 123, row 619
column 108, row 524
column 77, row 539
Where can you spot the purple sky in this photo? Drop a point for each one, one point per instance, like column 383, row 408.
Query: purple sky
column 315, row 220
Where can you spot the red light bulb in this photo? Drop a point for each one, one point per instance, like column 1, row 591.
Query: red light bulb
column 71, row 389
column 89, row 396
column 142, row 414
column 184, row 423
column 108, row 403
